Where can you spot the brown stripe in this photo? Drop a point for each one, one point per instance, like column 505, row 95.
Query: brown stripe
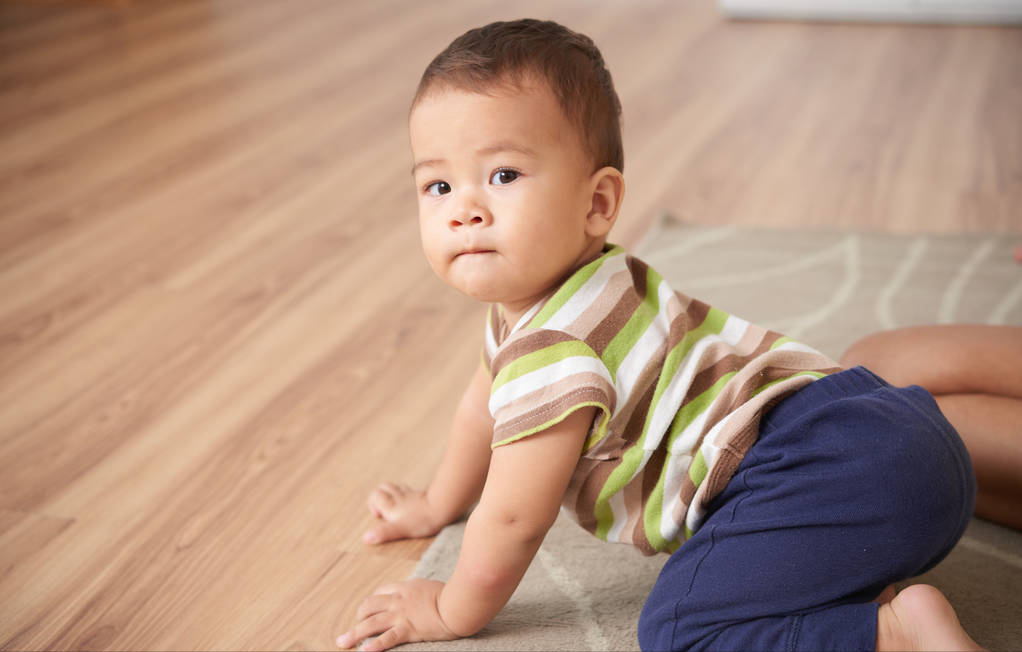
column 640, row 274
column 728, row 362
column 650, row 478
column 593, row 484
column 633, row 505
column 541, row 397
column 523, row 343
column 612, row 324
column 544, row 413
column 695, row 313
column 641, row 397
column 637, row 420
column 590, row 486
column 618, row 286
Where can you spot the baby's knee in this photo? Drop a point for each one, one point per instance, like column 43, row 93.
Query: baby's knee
column 873, row 352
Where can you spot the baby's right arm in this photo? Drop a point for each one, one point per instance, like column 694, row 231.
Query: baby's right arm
column 457, row 484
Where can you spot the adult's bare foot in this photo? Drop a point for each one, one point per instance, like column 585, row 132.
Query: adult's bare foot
column 921, row 618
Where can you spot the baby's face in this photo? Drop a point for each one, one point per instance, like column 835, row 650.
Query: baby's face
column 504, row 188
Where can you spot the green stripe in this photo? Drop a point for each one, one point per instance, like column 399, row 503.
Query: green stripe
column 691, row 411
column 780, row 341
column 632, row 457
column 815, row 375
column 622, row 343
column 712, row 325
column 538, row 359
column 697, row 468
column 571, row 286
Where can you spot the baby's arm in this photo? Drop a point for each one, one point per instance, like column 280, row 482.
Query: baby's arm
column 457, row 482
column 520, row 500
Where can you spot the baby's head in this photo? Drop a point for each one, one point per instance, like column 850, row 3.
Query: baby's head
column 517, row 154
column 506, row 56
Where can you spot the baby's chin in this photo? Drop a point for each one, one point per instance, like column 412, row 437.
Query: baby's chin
column 486, row 289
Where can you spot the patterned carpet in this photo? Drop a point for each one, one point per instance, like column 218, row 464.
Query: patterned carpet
column 826, row 289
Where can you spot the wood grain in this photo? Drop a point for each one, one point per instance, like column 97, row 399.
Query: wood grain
column 217, row 332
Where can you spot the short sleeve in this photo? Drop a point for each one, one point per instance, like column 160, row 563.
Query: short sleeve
column 542, row 376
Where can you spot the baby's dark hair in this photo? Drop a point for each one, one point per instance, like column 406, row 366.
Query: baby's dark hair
column 515, row 52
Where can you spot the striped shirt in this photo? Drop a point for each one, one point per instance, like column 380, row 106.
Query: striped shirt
column 679, row 388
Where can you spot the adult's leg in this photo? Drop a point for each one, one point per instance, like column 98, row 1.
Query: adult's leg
column 852, row 486
column 975, row 373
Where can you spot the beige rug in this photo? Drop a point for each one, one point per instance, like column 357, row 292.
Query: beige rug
column 827, row 289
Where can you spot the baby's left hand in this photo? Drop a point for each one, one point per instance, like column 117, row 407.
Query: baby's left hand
column 405, row 612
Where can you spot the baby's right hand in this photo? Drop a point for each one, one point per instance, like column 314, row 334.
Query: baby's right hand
column 405, row 512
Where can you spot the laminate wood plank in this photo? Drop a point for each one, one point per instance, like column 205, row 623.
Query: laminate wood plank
column 24, row 535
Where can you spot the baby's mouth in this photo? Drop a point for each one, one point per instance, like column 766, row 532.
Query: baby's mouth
column 475, row 251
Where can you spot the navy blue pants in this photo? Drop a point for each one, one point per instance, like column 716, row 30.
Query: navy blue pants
column 852, row 485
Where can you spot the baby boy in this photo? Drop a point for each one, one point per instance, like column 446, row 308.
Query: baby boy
column 788, row 492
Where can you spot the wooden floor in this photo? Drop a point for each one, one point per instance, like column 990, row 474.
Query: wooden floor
column 217, row 332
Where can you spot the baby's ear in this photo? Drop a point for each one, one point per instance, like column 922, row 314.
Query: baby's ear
column 608, row 186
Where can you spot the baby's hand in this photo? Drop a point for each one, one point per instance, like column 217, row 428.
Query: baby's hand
column 398, row 613
column 405, row 513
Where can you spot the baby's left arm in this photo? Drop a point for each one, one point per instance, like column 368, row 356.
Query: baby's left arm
column 520, row 500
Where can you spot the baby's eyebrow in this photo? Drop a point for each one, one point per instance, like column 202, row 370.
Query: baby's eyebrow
column 426, row 163
column 506, row 146
column 495, row 148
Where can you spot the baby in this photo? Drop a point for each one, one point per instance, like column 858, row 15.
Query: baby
column 789, row 493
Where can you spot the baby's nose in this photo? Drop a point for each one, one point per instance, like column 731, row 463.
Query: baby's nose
column 471, row 216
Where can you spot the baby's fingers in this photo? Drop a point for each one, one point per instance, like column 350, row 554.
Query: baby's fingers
column 386, row 640
column 381, row 498
column 375, row 604
column 379, row 623
column 384, row 532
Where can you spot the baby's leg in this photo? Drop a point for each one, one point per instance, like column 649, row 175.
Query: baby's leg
column 852, row 486
column 975, row 373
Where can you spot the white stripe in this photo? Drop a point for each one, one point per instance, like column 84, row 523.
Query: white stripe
column 491, row 340
column 677, row 465
column 655, row 336
column 797, row 346
column 732, row 332
column 695, row 514
column 949, row 302
column 619, row 516
column 617, row 506
column 637, row 359
column 915, row 252
column 587, row 294
column 524, row 319
column 545, row 376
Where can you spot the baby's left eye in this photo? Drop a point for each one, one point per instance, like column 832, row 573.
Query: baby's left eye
column 503, row 177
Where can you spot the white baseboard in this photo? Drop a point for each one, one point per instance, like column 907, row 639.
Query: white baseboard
column 942, row 11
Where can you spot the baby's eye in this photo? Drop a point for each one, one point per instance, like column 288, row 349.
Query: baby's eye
column 438, row 188
column 504, row 176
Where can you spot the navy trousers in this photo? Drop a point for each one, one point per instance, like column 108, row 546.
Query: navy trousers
column 852, row 485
